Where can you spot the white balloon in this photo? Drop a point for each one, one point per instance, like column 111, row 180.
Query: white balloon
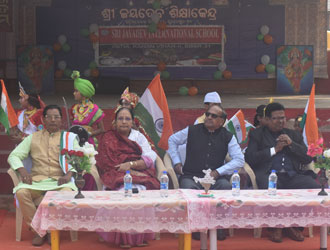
column 87, row 72
column 155, row 17
column 62, row 39
column 264, row 29
column 61, row 65
column 157, row 72
column 165, row 2
column 265, row 59
column 93, row 28
column 222, row 66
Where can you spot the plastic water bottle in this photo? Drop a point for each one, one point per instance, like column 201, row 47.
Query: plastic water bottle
column 128, row 184
column 235, row 184
column 164, row 185
column 272, row 183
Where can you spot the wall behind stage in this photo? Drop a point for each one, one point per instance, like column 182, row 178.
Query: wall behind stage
column 241, row 21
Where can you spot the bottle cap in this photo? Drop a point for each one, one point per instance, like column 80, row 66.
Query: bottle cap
column 235, row 171
column 127, row 171
column 164, row 172
column 273, row 171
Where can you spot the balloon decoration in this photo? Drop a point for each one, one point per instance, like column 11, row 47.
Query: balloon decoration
column 192, row 91
column 66, row 47
column 92, row 65
column 217, row 75
column 156, row 4
column 161, row 66
column 95, row 72
column 68, row 72
column 183, row 90
column 94, row 38
column 227, row 74
column 268, row 39
column 93, row 28
column 161, row 25
column 62, row 39
column 222, row 66
column 270, row 68
column 165, row 2
column 265, row 59
column 264, row 29
column 165, row 75
column 84, row 32
column 260, row 68
column 59, row 73
column 61, row 65
column 152, row 28
column 260, row 37
column 57, row 46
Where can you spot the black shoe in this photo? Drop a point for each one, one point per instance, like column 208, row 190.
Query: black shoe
column 196, row 235
column 221, row 234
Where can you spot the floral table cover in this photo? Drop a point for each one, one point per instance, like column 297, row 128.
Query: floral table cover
column 255, row 208
column 182, row 212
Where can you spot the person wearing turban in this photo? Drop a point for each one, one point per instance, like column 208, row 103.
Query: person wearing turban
column 86, row 114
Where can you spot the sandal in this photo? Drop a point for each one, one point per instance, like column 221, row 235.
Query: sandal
column 125, row 246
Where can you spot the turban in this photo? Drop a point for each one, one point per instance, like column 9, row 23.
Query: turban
column 84, row 86
column 132, row 98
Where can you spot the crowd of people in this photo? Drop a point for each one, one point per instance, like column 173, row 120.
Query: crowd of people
column 126, row 146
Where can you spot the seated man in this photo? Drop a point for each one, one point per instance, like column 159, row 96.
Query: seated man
column 207, row 146
column 274, row 147
column 47, row 172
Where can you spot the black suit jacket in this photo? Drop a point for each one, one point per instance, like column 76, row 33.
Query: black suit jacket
column 258, row 156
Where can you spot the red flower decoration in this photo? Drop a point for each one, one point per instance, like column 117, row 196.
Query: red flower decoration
column 64, row 151
column 71, row 152
column 79, row 154
column 315, row 149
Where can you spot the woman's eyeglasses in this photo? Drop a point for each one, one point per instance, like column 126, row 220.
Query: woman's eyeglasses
column 207, row 114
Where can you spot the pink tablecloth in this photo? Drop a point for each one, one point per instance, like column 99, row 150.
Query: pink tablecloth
column 106, row 211
column 181, row 212
column 255, row 208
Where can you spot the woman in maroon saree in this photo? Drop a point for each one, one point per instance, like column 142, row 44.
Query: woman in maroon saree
column 126, row 149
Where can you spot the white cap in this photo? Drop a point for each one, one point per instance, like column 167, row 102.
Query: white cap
column 212, row 97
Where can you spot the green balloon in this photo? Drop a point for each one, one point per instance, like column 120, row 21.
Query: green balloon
column 84, row 32
column 152, row 28
column 68, row 72
column 260, row 37
column 165, row 74
column 183, row 90
column 92, row 65
column 156, row 5
column 66, row 47
column 217, row 75
column 270, row 68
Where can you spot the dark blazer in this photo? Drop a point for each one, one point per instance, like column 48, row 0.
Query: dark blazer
column 257, row 154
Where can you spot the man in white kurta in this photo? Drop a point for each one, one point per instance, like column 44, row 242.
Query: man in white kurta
column 46, row 173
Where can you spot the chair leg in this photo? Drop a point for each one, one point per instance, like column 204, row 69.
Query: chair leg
column 310, row 232
column 231, row 232
column 157, row 236
column 19, row 224
column 74, row 235
column 257, row 232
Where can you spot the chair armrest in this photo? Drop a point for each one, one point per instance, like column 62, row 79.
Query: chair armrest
column 170, row 171
column 160, row 168
column 14, row 176
column 97, row 178
column 251, row 174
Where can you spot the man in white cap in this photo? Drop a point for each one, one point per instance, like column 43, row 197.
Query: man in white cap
column 209, row 99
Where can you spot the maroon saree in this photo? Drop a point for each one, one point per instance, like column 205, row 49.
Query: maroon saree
column 115, row 149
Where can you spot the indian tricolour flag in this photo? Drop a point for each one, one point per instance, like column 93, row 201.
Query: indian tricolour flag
column 8, row 116
column 309, row 122
column 153, row 114
column 239, row 127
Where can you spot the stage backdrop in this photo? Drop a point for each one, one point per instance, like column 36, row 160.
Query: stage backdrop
column 186, row 39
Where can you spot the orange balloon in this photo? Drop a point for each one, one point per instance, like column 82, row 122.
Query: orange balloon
column 227, row 74
column 268, row 39
column 95, row 72
column 94, row 38
column 193, row 91
column 59, row 73
column 57, row 46
column 161, row 25
column 260, row 68
column 161, row 66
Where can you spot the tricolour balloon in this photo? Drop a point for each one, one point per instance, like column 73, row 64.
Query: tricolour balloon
column 265, row 59
column 93, row 28
column 61, row 65
column 264, row 29
column 270, row 68
column 183, row 90
column 222, row 66
column 61, row 39
column 217, row 75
